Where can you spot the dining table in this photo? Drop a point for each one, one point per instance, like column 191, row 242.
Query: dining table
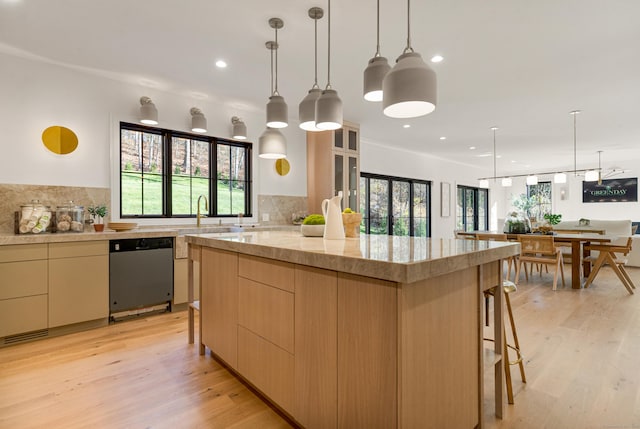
column 579, row 252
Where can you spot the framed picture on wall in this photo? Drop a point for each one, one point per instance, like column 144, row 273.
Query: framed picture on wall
column 610, row 191
column 445, row 199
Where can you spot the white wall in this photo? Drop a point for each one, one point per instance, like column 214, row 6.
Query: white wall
column 37, row 95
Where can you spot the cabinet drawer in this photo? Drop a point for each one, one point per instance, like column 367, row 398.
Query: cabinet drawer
column 266, row 366
column 267, row 311
column 85, row 248
column 268, row 271
column 23, row 252
column 21, row 315
column 18, row 279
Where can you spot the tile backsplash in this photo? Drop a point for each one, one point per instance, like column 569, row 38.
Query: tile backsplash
column 280, row 208
column 13, row 196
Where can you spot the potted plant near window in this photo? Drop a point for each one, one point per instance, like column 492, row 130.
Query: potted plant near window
column 98, row 213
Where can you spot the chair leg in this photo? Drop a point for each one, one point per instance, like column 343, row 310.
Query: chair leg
column 594, row 270
column 516, row 342
column 562, row 270
column 555, row 277
column 507, row 369
column 190, row 324
column 626, row 275
column 616, row 269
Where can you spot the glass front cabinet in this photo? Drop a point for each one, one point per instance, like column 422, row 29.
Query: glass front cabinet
column 333, row 165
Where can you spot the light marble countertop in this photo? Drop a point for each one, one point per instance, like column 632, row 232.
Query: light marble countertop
column 398, row 259
column 140, row 232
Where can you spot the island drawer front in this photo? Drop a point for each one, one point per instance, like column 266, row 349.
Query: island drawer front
column 21, row 315
column 268, row 367
column 19, row 279
column 74, row 249
column 23, row 252
column 267, row 311
column 268, row 271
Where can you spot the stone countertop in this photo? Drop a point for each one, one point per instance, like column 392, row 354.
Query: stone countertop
column 140, row 232
column 398, row 259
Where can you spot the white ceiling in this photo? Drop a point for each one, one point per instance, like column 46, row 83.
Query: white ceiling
column 519, row 65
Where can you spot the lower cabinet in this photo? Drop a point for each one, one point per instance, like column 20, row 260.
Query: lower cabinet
column 78, row 282
column 320, row 344
column 23, row 289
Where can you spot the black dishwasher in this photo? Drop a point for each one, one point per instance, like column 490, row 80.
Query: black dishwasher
column 140, row 274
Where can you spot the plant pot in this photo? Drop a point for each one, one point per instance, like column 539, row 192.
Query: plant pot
column 351, row 222
column 99, row 227
column 312, row 230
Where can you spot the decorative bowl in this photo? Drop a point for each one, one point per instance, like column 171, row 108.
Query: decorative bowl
column 121, row 226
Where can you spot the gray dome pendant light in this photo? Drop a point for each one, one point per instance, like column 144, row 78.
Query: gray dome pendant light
column 239, row 131
column 410, row 89
column 148, row 111
column 376, row 70
column 272, row 144
column 329, row 105
column 198, row 121
column 277, row 110
column 307, row 107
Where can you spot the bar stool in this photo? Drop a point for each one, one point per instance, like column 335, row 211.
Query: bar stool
column 509, row 287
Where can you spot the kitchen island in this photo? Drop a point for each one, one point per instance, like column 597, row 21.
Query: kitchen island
column 371, row 332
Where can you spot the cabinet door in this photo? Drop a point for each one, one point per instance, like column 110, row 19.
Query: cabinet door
column 219, row 303
column 316, row 347
column 353, row 177
column 338, row 174
column 78, row 289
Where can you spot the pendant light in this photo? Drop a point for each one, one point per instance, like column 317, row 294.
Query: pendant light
column 377, row 68
column 272, row 144
column 594, row 175
column 410, row 89
column 198, row 121
column 239, row 131
column 148, row 111
column 307, row 107
column 532, row 180
column 329, row 105
column 560, row 178
column 277, row 110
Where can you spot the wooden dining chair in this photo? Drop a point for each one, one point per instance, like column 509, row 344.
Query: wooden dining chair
column 540, row 249
column 614, row 255
column 512, row 261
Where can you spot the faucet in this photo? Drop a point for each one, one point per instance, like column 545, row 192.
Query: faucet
column 206, row 207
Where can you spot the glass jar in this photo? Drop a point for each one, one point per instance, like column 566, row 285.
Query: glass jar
column 516, row 223
column 35, row 218
column 69, row 217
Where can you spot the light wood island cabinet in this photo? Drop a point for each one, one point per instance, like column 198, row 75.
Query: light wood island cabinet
column 338, row 336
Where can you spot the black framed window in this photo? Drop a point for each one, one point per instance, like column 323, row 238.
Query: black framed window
column 395, row 205
column 472, row 209
column 163, row 172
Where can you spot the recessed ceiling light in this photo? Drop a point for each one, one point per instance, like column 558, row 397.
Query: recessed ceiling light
column 513, row 161
column 221, row 64
column 498, row 156
column 472, row 147
column 406, row 126
column 443, row 138
column 437, row 58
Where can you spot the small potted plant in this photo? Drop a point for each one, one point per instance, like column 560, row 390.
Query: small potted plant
column 98, row 213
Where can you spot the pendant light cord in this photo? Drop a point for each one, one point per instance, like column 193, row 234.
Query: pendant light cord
column 408, row 48
column 271, row 49
column 378, row 29
column 275, row 92
column 494, row 154
column 575, row 156
column 329, row 46
column 315, row 41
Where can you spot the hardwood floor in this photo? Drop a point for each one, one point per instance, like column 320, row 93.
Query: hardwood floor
column 581, row 351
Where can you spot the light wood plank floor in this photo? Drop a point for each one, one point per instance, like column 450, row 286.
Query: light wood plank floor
column 582, row 354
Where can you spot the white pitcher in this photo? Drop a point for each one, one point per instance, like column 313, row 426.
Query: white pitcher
column 333, row 228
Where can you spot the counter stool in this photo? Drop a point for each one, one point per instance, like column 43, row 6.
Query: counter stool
column 509, row 287
column 194, row 305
